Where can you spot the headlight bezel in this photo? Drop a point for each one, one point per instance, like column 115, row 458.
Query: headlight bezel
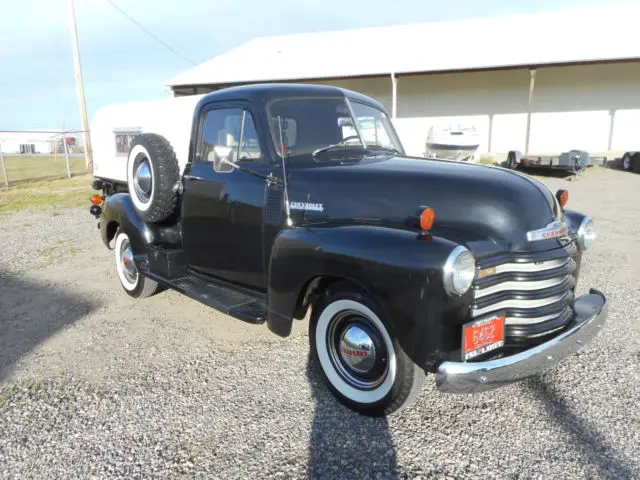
column 449, row 271
column 582, row 231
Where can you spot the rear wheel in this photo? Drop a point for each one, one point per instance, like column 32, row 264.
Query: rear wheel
column 132, row 281
column 626, row 162
column 360, row 360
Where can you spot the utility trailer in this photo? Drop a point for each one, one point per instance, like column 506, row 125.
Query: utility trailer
column 574, row 161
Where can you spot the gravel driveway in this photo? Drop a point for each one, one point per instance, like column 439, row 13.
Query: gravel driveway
column 93, row 383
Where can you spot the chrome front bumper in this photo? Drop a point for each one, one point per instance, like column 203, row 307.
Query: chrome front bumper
column 590, row 315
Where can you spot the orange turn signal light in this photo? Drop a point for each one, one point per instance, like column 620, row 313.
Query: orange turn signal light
column 97, row 199
column 563, row 197
column 427, row 218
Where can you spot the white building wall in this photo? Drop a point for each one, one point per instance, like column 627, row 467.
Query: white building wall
column 591, row 107
column 12, row 146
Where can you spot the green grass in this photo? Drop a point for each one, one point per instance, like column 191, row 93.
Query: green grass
column 60, row 193
column 20, row 169
column 487, row 159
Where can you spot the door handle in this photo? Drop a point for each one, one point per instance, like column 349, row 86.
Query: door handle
column 192, row 177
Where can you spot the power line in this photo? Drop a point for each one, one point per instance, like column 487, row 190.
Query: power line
column 151, row 34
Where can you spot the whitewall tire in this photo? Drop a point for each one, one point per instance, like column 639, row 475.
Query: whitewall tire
column 360, row 360
column 153, row 177
column 139, row 159
column 135, row 284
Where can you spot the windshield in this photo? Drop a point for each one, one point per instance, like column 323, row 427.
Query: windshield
column 312, row 124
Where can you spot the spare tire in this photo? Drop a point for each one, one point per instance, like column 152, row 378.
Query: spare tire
column 152, row 176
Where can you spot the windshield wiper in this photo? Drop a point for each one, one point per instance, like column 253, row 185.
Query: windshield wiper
column 388, row 149
column 332, row 146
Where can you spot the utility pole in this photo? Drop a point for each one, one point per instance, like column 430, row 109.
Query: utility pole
column 88, row 152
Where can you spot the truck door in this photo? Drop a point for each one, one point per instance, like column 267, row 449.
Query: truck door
column 222, row 206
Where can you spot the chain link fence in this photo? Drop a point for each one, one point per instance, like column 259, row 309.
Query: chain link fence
column 32, row 155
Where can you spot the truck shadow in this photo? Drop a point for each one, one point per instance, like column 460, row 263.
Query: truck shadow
column 583, row 435
column 345, row 444
column 30, row 313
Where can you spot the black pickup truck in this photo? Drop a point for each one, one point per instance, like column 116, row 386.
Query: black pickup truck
column 300, row 198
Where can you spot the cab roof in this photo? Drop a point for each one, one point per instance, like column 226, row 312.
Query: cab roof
column 263, row 93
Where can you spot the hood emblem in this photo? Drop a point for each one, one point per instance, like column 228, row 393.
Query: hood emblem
column 553, row 230
column 315, row 207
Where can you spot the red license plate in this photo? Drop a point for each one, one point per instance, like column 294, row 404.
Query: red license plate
column 482, row 336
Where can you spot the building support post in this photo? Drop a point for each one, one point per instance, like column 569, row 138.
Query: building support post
column 612, row 115
column 532, row 82
column 88, row 152
column 394, row 96
column 490, row 133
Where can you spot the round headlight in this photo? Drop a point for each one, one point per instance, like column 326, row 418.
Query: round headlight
column 459, row 271
column 586, row 233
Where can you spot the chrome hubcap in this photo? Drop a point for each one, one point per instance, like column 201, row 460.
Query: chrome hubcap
column 142, row 180
column 626, row 161
column 128, row 265
column 357, row 350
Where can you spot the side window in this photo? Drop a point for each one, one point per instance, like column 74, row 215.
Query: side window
column 372, row 129
column 249, row 143
column 229, row 135
column 374, row 132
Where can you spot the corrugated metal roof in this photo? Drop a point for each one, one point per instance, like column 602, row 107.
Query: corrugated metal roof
column 572, row 36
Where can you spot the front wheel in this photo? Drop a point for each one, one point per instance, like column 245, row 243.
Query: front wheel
column 360, row 360
column 136, row 285
column 626, row 162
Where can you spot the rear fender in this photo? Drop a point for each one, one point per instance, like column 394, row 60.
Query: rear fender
column 399, row 269
column 119, row 210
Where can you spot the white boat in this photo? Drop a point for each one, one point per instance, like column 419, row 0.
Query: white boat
column 458, row 141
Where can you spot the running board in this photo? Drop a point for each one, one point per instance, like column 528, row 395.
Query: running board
column 224, row 298
column 167, row 266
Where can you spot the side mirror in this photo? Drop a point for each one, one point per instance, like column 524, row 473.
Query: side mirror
column 224, row 159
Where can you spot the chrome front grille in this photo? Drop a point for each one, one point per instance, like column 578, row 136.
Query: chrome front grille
column 534, row 296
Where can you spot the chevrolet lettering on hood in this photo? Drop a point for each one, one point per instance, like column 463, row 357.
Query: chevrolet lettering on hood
column 315, row 207
column 553, row 230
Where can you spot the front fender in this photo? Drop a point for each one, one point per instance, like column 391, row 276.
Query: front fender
column 400, row 269
column 119, row 209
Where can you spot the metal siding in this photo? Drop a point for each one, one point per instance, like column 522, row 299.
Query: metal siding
column 469, row 44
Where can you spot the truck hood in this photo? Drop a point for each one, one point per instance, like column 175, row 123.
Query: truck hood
column 489, row 209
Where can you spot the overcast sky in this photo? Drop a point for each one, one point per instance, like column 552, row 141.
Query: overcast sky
column 121, row 62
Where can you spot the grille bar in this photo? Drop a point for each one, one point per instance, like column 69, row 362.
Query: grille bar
column 566, row 268
column 531, row 266
column 521, row 286
column 518, row 304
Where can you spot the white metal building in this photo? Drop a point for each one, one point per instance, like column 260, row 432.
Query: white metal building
column 34, row 142
column 27, row 143
column 43, row 142
column 570, row 78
